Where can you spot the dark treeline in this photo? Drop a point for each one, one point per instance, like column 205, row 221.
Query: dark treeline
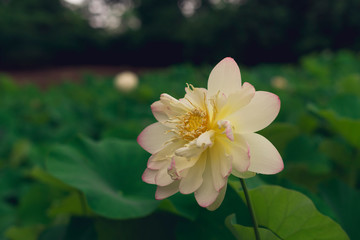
column 35, row 33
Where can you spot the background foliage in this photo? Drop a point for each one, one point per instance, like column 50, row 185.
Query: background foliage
column 252, row 31
column 70, row 167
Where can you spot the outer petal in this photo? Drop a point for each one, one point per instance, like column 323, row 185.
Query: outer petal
column 167, row 191
column 226, row 160
column 240, row 154
column 174, row 106
column 162, row 113
column 225, row 77
column 154, row 137
column 193, row 179
column 237, row 100
column 165, row 153
column 258, row 114
column 163, row 178
column 149, row 176
column 264, row 157
column 218, row 200
column 206, row 194
column 156, row 165
column 179, row 166
column 184, row 163
column 217, row 157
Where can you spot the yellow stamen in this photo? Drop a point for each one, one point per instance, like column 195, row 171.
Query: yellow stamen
column 192, row 124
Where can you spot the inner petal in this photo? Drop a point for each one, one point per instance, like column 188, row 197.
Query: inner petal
column 228, row 128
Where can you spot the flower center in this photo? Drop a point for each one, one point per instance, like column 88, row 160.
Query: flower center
column 192, row 124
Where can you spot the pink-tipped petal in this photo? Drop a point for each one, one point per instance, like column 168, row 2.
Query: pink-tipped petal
column 166, row 191
column 185, row 163
column 156, row 165
column 237, row 100
column 172, row 171
column 161, row 112
column 216, row 157
column 240, row 154
column 226, row 160
column 264, row 157
column 226, row 125
column 206, row 194
column 167, row 151
column 193, row 179
column 215, row 205
column 149, row 176
column 163, row 178
column 225, row 77
column 154, row 137
column 258, row 114
column 176, row 107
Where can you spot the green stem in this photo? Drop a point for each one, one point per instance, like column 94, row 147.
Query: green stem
column 83, row 203
column 251, row 210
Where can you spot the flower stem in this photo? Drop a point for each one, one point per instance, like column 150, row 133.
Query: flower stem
column 251, row 210
column 83, row 203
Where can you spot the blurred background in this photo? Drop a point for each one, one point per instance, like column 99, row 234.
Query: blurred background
column 77, row 78
column 39, row 33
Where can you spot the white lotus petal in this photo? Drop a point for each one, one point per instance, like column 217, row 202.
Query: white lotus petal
column 193, row 179
column 184, row 163
column 205, row 140
column 224, row 144
column 167, row 151
column 162, row 113
column 216, row 204
column 154, row 136
column 225, row 77
column 216, row 157
column 237, row 100
column 175, row 106
column 149, row 176
column 197, row 146
column 166, row 191
column 228, row 128
column 264, row 157
column 156, row 165
column 189, row 151
column 206, row 194
column 258, row 114
column 196, row 97
column 240, row 154
column 162, row 178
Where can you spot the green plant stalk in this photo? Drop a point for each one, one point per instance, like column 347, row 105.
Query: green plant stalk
column 83, row 203
column 251, row 209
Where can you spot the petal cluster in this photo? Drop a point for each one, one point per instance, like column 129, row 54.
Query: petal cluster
column 201, row 139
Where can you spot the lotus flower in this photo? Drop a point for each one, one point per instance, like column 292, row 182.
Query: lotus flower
column 201, row 139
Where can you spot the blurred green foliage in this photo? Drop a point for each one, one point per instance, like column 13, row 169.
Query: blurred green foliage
column 45, row 32
column 37, row 32
column 70, row 167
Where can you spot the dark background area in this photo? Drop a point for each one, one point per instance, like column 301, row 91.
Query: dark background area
column 47, row 33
